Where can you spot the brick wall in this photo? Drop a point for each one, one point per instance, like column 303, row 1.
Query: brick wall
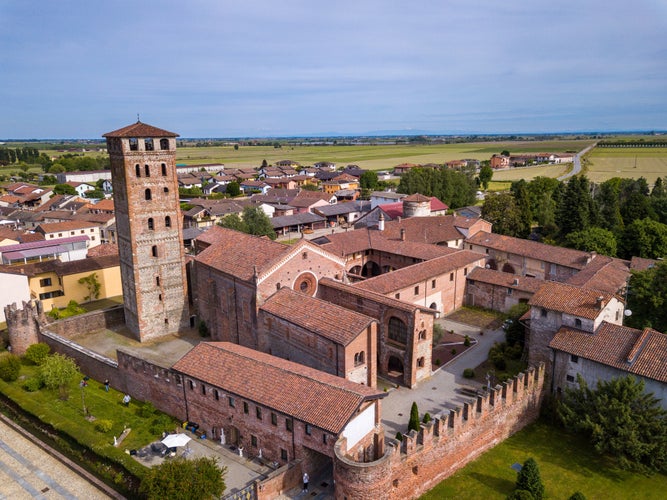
column 23, row 325
column 495, row 297
column 423, row 459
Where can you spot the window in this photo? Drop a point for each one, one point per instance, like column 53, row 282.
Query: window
column 203, row 389
column 45, row 282
column 397, row 330
column 309, row 430
column 147, row 170
column 487, row 251
column 50, row 295
column 417, row 290
column 216, row 394
column 167, row 221
column 151, row 223
column 164, row 168
column 324, row 438
column 283, row 454
column 147, row 194
column 245, row 408
column 164, row 143
column 543, row 313
column 274, row 419
column 159, row 297
column 253, row 441
column 157, row 281
column 191, row 384
column 470, row 247
column 509, row 291
column 166, row 190
column 397, row 296
column 570, row 378
column 359, row 358
column 231, row 402
column 451, row 276
column 288, row 425
column 154, row 250
column 134, row 144
column 432, row 283
column 577, row 322
column 304, row 255
column 422, row 335
column 258, row 413
column 420, row 362
column 465, row 271
column 148, row 144
column 574, row 359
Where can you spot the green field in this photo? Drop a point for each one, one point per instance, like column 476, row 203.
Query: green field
column 529, row 173
column 567, row 464
column 604, row 163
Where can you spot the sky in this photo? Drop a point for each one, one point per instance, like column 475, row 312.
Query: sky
column 269, row 68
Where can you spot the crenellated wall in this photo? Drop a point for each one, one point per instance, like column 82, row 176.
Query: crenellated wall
column 23, row 325
column 423, row 459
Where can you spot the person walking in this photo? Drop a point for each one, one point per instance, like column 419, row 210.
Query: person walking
column 106, row 385
column 305, row 482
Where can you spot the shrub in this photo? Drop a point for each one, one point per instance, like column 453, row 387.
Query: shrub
column 520, row 495
column 577, row 495
column 438, row 332
column 10, row 366
column 413, row 423
column 103, row 425
column 399, row 436
column 468, row 373
column 32, row 384
column 427, row 418
column 146, row 410
column 437, row 361
column 37, row 353
column 466, row 342
column 529, row 479
column 162, row 423
column 453, row 351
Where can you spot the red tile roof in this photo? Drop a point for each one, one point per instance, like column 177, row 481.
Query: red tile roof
column 570, row 299
column 565, row 257
column 508, row 280
column 434, row 230
column 642, row 353
column 71, row 225
column 332, row 322
column 140, row 130
column 309, row 395
column 641, row 264
column 103, row 250
column 603, row 273
column 424, row 271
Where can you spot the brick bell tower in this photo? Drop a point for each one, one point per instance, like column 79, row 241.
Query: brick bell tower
column 149, row 228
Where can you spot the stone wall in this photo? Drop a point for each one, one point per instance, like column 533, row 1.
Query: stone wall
column 444, row 445
column 23, row 325
column 83, row 323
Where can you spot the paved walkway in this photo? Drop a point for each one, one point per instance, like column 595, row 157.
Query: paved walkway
column 440, row 392
column 28, row 471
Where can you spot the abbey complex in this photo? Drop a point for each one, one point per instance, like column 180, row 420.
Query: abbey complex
column 298, row 335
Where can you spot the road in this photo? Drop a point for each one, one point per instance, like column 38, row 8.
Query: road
column 576, row 163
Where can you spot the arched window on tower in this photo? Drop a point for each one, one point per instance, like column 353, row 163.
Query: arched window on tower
column 149, row 144
column 154, row 250
column 166, row 190
column 147, row 194
column 164, row 169
column 134, row 144
column 167, row 221
column 151, row 224
column 137, row 167
column 147, row 169
column 164, row 143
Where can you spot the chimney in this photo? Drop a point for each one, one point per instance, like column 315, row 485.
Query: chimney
column 402, row 234
column 381, row 222
column 599, row 301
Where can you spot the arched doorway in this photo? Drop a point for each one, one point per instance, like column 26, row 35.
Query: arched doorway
column 492, row 264
column 370, row 269
column 433, row 306
column 356, row 270
column 395, row 367
column 508, row 268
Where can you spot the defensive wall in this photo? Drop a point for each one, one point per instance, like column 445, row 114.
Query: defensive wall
column 422, row 459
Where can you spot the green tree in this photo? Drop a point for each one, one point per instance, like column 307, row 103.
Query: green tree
column 93, row 285
column 413, row 423
column 593, row 239
column 501, row 210
column 645, row 238
column 485, row 176
column 659, row 190
column 368, row 180
column 576, row 210
column 621, row 420
column 184, row 479
column 529, row 479
column 258, row 223
column 456, row 189
column 10, row 366
column 57, row 372
column 647, row 298
column 504, row 152
column 37, row 353
column 522, row 200
column 233, row 189
column 64, row 189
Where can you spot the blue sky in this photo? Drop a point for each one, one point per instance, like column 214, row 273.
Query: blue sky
column 218, row 68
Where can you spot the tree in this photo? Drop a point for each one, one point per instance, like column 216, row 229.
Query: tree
column 258, row 223
column 233, row 221
column 184, row 479
column 456, row 189
column 57, row 372
column 576, row 210
column 529, row 479
column 413, row 423
column 485, row 176
column 621, row 420
column 233, row 189
column 500, row 209
column 644, row 238
column 593, row 239
column 93, row 285
column 368, row 180
column 236, row 147
column 647, row 298
column 504, row 152
column 64, row 189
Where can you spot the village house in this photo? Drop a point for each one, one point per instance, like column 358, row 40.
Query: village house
column 68, row 229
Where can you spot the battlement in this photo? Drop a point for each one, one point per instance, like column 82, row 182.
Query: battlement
column 445, row 444
column 24, row 324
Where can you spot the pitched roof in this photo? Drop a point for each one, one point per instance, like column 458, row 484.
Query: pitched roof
column 238, row 254
column 603, row 273
column 641, row 264
column 418, row 273
column 103, row 250
column 140, row 130
column 499, row 278
column 328, row 320
column 309, row 395
column 642, row 353
column 566, row 257
column 71, row 225
column 570, row 299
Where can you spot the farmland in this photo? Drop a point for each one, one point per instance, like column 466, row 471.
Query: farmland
column 603, row 163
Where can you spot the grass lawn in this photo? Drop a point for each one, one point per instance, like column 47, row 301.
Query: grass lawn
column 482, row 318
column 68, row 416
column 567, row 464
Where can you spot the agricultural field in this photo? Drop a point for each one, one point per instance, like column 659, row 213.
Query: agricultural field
column 529, row 173
column 604, row 163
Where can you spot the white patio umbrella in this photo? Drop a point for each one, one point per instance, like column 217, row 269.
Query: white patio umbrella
column 174, row 440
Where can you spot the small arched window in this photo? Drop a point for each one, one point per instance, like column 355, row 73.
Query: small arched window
column 167, row 221
column 147, row 194
column 166, row 190
column 134, row 144
column 164, row 143
column 147, row 169
column 164, row 169
column 148, row 143
column 151, row 224
column 137, row 168
column 154, row 250
column 577, row 322
column 157, row 281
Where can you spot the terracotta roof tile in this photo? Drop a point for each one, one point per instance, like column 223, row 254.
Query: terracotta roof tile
column 140, row 130
column 309, row 395
column 641, row 264
column 64, row 226
column 566, row 257
column 570, row 299
column 508, row 280
column 333, row 322
column 642, row 353
column 371, row 295
column 103, row 250
column 418, row 273
column 603, row 273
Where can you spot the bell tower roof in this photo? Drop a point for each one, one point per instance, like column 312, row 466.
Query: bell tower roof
column 140, row 130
